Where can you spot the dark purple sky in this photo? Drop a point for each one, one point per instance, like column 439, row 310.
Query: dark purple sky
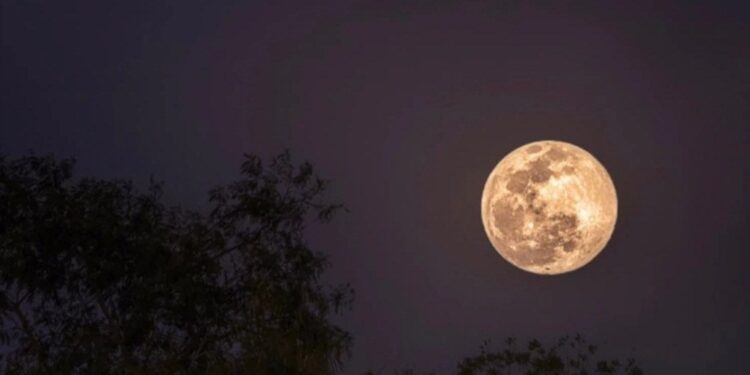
column 407, row 106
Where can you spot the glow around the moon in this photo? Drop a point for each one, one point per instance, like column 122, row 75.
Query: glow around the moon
column 549, row 207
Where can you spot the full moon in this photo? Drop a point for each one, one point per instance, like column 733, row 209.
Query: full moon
column 549, row 207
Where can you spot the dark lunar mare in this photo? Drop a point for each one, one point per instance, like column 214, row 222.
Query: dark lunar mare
column 563, row 228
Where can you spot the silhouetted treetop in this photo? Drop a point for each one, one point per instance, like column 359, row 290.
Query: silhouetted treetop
column 99, row 277
column 566, row 356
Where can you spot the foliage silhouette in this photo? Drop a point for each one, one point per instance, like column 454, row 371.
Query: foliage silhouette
column 566, row 356
column 98, row 277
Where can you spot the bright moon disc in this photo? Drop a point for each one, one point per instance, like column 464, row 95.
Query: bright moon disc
column 549, row 207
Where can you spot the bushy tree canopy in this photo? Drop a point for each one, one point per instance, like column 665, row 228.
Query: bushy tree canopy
column 98, row 277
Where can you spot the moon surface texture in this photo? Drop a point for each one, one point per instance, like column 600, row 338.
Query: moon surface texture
column 549, row 207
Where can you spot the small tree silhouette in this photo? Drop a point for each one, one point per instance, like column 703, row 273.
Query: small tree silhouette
column 100, row 278
column 567, row 356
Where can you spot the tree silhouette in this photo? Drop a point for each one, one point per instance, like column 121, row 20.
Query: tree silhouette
column 98, row 277
column 566, row 356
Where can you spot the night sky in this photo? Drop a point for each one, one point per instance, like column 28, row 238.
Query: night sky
column 407, row 106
